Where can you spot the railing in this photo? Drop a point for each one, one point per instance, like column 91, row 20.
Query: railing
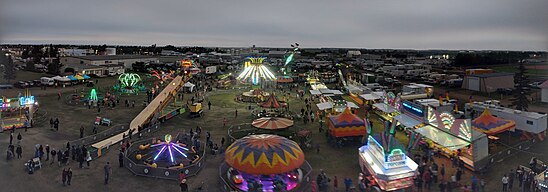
column 161, row 172
column 88, row 140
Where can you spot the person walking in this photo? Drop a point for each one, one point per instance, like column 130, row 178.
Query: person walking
column 64, row 176
column 108, row 171
column 347, row 183
column 482, row 185
column 81, row 131
column 474, row 183
column 88, row 158
column 442, row 171
column 511, row 177
column 121, row 158
column 236, row 113
column 51, row 123
column 47, row 152
column 69, row 176
column 335, row 183
column 19, row 138
column 504, row 183
column 11, row 138
column 19, row 151
column 184, row 186
column 209, row 105
column 59, row 157
column 53, row 154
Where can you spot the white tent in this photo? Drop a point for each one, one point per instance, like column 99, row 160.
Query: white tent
column 59, row 78
column 189, row 86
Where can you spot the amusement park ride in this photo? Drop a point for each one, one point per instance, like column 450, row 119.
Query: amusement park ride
column 255, row 71
column 17, row 112
column 384, row 164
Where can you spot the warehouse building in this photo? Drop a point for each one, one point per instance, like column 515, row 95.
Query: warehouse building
column 488, row 82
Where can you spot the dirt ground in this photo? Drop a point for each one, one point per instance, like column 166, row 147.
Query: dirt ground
column 336, row 162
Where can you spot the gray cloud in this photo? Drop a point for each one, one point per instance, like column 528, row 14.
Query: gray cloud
column 419, row 24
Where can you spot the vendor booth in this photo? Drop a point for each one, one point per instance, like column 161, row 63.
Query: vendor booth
column 454, row 137
column 188, row 87
column 345, row 124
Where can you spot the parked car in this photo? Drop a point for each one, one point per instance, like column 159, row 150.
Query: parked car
column 535, row 84
column 21, row 84
column 37, row 83
column 505, row 91
column 30, row 83
column 6, row 86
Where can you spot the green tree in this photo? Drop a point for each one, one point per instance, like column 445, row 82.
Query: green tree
column 54, row 67
column 9, row 67
column 30, row 66
column 520, row 100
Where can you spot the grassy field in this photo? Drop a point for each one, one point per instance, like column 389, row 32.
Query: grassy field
column 535, row 71
column 24, row 76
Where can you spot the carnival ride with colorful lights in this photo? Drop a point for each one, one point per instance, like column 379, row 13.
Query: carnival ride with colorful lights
column 286, row 68
column 255, row 71
column 17, row 112
column 129, row 83
column 166, row 154
column 384, row 163
column 264, row 163
column 162, row 76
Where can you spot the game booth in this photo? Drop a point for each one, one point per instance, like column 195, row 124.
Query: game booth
column 411, row 115
column 264, row 163
column 453, row 137
column 384, row 163
column 345, row 126
column 17, row 112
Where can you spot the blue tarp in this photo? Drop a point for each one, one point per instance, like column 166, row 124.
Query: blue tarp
column 85, row 76
column 72, row 78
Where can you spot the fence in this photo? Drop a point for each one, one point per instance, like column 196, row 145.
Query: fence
column 487, row 162
column 304, row 184
column 161, row 172
column 98, row 152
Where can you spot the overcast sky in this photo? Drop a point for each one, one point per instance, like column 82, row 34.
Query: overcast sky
column 416, row 24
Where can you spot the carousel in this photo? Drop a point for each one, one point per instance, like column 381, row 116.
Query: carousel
column 254, row 96
column 264, row 163
column 273, row 105
column 272, row 123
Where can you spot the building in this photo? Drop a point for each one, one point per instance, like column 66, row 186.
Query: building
column 417, row 88
column 66, row 52
column 531, row 122
column 544, row 92
column 100, row 60
column 94, row 70
column 355, row 53
column 488, row 82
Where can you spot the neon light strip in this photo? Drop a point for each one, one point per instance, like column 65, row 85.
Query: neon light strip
column 170, row 154
column 161, row 151
column 179, row 151
column 183, row 148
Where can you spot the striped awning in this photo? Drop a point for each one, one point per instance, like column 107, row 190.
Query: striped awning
column 272, row 123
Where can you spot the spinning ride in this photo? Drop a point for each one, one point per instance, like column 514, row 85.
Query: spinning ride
column 129, row 83
column 255, row 71
column 264, row 163
column 168, row 154
column 17, row 112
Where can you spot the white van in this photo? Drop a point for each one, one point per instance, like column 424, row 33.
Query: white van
column 47, row 81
